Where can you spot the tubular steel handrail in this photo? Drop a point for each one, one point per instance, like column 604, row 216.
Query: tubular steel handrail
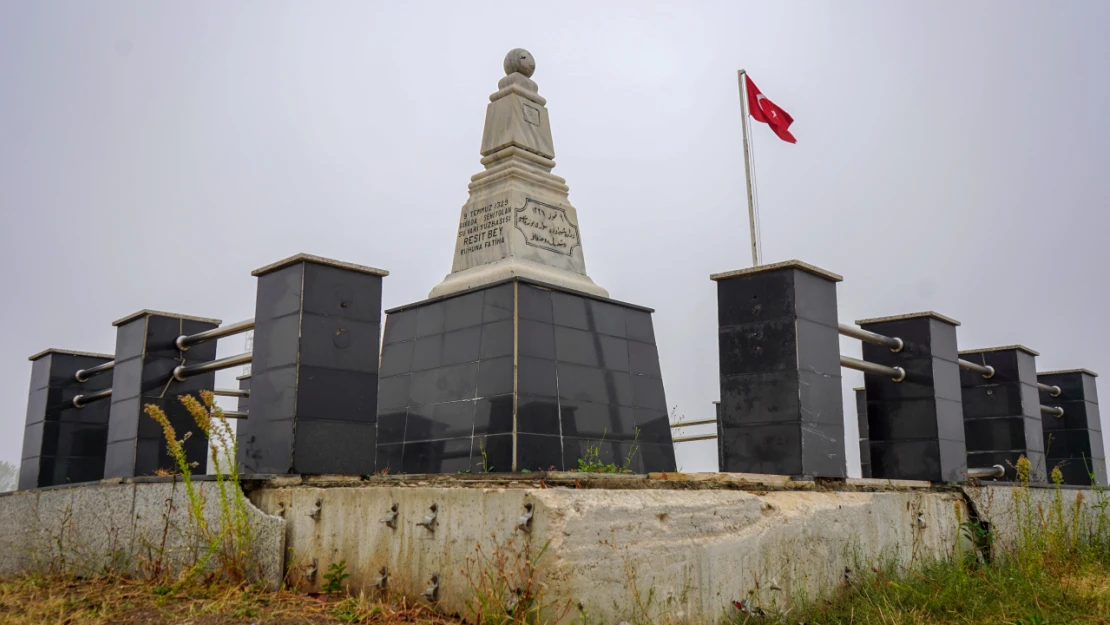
column 894, row 343
column 1055, row 411
column 682, row 424
column 986, row 371
column 83, row 375
column 80, row 401
column 231, row 392
column 687, row 439
column 183, row 372
column 894, row 373
column 184, row 342
column 1051, row 390
column 978, row 473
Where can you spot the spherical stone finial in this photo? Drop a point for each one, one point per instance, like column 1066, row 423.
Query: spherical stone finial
column 520, row 60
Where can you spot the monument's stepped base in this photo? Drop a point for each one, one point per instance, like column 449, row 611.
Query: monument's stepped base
column 693, row 544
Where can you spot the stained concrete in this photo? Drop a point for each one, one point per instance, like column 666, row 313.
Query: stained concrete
column 614, row 548
column 680, row 546
column 1008, row 509
column 120, row 526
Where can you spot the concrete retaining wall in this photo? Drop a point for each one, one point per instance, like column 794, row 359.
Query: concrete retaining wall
column 618, row 548
column 1008, row 510
column 122, row 527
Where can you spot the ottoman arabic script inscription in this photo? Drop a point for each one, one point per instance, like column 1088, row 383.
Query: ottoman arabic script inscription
column 547, row 227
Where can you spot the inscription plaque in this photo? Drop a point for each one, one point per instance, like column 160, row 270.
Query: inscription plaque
column 531, row 115
column 547, row 227
column 483, row 227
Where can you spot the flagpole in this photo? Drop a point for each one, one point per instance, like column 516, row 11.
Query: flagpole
column 747, row 166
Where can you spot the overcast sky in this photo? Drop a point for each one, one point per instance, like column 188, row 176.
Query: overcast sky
column 950, row 156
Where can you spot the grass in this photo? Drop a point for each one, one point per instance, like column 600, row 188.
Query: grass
column 944, row 593
column 592, row 463
column 1053, row 570
column 121, row 601
column 1052, row 567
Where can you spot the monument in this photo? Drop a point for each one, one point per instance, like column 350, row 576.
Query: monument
column 518, row 221
column 518, row 360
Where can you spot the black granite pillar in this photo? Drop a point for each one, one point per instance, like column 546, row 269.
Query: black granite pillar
column 1002, row 414
column 1074, row 442
column 916, row 426
column 520, row 376
column 145, row 359
column 314, row 374
column 63, row 444
column 782, row 407
column 864, row 440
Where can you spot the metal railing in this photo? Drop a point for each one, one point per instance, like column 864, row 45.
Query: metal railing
column 687, row 439
column 184, row 342
column 682, row 424
column 80, row 401
column 894, row 343
column 986, row 371
column 83, row 375
column 1055, row 411
column 1051, row 390
column 894, row 373
column 231, row 392
column 978, row 473
column 184, row 372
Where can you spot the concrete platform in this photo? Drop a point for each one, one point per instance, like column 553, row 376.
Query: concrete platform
column 614, row 547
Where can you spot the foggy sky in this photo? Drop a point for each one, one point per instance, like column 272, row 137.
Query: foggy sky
column 950, row 157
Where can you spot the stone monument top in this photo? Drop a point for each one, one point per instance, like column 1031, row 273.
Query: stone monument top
column 518, row 222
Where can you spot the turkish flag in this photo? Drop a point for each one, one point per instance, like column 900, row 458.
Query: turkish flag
column 766, row 111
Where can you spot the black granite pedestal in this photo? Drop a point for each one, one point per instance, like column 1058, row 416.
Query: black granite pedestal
column 782, row 406
column 860, row 395
column 916, row 426
column 314, row 372
column 1002, row 414
column 63, row 444
column 145, row 360
column 520, row 376
column 1074, row 442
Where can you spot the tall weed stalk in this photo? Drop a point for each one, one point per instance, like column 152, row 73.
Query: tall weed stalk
column 229, row 542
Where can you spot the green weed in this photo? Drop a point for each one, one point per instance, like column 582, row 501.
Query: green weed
column 333, row 579
column 591, row 462
column 229, row 543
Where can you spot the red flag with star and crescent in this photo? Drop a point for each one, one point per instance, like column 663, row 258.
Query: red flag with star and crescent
column 763, row 110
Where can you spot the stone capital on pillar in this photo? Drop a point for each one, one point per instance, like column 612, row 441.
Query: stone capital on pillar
column 518, row 222
column 916, row 425
column 1002, row 413
column 781, row 408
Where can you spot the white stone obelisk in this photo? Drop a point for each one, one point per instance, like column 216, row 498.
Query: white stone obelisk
column 518, row 221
